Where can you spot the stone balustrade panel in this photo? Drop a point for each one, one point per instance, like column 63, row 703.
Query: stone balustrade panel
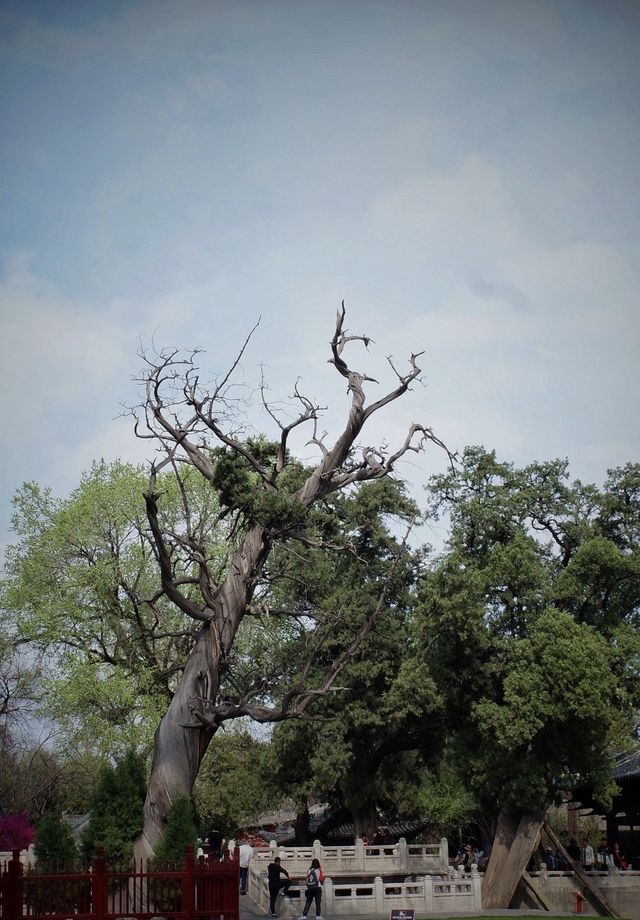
column 360, row 858
column 621, row 890
column 377, row 896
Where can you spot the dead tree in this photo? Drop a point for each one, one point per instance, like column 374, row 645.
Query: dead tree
column 198, row 426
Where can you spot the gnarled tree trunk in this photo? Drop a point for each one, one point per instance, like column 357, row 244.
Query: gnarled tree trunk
column 517, row 835
column 185, row 731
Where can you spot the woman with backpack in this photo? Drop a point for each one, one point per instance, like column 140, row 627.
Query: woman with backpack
column 315, row 878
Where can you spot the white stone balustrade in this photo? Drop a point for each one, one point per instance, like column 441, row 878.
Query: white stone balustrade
column 27, row 857
column 426, row 894
column 360, row 858
column 429, row 885
column 621, row 890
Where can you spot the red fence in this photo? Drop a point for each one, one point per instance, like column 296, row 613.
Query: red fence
column 197, row 890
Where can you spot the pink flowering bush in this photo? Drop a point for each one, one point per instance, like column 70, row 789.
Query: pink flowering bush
column 16, row 833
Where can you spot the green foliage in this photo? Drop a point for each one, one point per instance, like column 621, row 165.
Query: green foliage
column 240, row 486
column 377, row 729
column 38, row 781
column 554, row 716
column 54, row 841
column 82, row 586
column 558, row 820
column 600, row 584
column 518, row 655
column 444, row 798
column 529, row 624
column 117, row 809
column 180, row 831
column 235, row 783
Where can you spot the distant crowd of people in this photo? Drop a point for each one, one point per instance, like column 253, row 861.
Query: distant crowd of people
column 582, row 854
column 603, row 858
column 468, row 856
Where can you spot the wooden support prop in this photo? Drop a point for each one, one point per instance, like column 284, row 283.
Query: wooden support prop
column 595, row 897
column 534, row 893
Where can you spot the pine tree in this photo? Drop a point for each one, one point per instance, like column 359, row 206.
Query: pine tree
column 180, row 832
column 54, row 841
column 117, row 809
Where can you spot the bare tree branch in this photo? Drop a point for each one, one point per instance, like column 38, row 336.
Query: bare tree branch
column 170, row 588
column 189, row 422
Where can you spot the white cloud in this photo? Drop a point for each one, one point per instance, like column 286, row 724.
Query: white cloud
column 51, row 348
column 112, row 440
column 190, row 167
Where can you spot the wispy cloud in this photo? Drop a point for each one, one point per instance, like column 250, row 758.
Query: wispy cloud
column 460, row 173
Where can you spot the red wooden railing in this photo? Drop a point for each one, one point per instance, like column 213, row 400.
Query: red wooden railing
column 197, row 890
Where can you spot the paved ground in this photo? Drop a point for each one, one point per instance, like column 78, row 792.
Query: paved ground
column 249, row 910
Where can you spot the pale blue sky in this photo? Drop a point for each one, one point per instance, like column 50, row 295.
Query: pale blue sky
column 464, row 174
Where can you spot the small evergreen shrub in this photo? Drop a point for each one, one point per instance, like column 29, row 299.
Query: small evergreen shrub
column 181, row 831
column 54, row 841
column 117, row 810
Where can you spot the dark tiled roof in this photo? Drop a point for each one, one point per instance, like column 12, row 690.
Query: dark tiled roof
column 627, row 766
column 405, row 829
column 284, row 834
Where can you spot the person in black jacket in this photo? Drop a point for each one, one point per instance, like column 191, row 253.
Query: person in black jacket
column 573, row 849
column 276, row 882
column 214, row 844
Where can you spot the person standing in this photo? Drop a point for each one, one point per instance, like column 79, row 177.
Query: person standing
column 214, row 844
column 604, row 856
column 245, row 854
column 276, row 882
column 315, row 877
column 587, row 854
column 573, row 849
column 618, row 859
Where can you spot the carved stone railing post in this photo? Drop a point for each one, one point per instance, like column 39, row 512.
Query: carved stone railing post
column 378, row 890
column 427, row 883
column 402, row 854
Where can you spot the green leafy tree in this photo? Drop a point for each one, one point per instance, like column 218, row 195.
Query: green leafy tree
column 236, row 782
column 81, row 584
column 117, row 809
column 179, row 610
column 530, row 621
column 54, row 841
column 446, row 801
column 365, row 749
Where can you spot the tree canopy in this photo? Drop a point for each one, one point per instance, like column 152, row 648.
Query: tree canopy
column 531, row 618
column 237, row 581
column 82, row 584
